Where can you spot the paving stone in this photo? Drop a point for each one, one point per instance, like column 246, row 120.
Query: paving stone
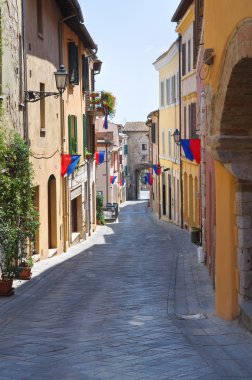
column 108, row 309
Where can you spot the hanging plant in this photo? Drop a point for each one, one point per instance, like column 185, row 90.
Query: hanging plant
column 108, row 101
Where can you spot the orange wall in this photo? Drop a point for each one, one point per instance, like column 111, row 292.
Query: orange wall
column 220, row 19
column 226, row 281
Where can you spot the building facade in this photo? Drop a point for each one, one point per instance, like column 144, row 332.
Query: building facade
column 185, row 18
column 138, row 158
column 169, row 120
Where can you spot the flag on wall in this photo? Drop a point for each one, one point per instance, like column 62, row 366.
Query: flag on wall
column 112, row 179
column 69, row 163
column 122, row 182
column 157, row 169
column 99, row 157
column 148, row 179
column 191, row 149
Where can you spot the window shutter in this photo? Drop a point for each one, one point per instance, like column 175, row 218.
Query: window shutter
column 189, row 56
column 120, row 159
column 125, row 149
column 153, row 132
column 73, row 62
column 85, row 74
column 168, row 91
column 92, row 139
column 84, row 133
column 183, row 59
column 92, row 81
column 75, row 135
column 71, row 59
column 185, row 134
column 162, row 93
column 193, row 118
column 70, row 134
column 178, row 87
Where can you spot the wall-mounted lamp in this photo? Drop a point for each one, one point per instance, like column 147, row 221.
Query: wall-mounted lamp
column 61, row 76
column 176, row 136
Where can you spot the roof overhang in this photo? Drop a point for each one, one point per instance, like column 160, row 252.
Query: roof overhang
column 181, row 10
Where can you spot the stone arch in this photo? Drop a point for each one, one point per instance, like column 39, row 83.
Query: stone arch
column 230, row 141
column 230, row 133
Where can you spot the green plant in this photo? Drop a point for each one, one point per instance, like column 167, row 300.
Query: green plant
column 99, row 209
column 18, row 215
column 108, row 101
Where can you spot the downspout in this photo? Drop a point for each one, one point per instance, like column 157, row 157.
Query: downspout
column 25, row 108
column 180, row 148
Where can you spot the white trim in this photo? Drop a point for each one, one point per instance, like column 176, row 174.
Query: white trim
column 160, row 63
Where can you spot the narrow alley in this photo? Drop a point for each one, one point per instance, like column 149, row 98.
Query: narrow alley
column 119, row 306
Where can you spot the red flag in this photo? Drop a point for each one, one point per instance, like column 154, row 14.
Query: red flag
column 65, row 161
column 195, row 148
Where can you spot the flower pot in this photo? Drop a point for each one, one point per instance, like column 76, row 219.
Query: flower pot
column 6, row 288
column 24, row 273
column 195, row 235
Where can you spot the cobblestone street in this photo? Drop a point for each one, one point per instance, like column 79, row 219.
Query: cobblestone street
column 116, row 307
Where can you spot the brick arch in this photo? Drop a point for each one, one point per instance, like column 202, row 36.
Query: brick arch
column 230, row 134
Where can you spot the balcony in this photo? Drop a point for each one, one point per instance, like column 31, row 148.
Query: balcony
column 100, row 103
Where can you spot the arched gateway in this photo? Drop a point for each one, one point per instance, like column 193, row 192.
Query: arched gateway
column 230, row 140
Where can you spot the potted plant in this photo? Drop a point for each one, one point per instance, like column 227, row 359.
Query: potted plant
column 24, row 269
column 108, row 102
column 18, row 215
column 99, row 210
column 87, row 153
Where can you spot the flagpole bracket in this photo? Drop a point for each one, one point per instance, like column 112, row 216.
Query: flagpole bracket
column 35, row 96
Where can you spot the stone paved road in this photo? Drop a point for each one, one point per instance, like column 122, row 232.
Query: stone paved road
column 111, row 308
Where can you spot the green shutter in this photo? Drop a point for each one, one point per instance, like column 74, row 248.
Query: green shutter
column 75, row 135
column 84, row 133
column 71, row 62
column 85, row 74
column 70, row 133
column 76, row 76
column 125, row 149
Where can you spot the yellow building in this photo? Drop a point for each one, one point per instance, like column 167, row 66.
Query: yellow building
column 54, row 34
column 168, row 67
column 228, row 82
column 184, row 16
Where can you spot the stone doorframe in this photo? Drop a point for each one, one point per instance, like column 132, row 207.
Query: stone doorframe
column 229, row 139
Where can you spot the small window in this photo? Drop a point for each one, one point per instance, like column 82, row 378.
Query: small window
column 40, row 18
column 162, row 94
column 189, row 66
column 73, row 63
column 168, row 91
column 183, row 59
column 144, row 146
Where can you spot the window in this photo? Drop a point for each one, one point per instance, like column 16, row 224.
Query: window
column 125, row 149
column 42, row 111
column 85, row 74
column 192, row 120
column 144, row 146
column 173, row 89
column 185, row 115
column 183, row 59
column 85, row 136
column 189, row 67
column 168, row 91
column 73, row 62
column 169, row 143
column 163, row 142
column 72, row 134
column 40, row 18
column 153, row 132
column 126, row 169
column 162, row 94
column 178, row 87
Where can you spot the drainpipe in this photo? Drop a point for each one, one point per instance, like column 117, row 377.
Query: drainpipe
column 180, row 148
column 25, row 105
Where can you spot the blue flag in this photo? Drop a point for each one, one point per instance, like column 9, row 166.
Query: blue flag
column 75, row 158
column 185, row 143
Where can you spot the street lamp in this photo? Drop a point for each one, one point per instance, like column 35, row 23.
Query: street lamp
column 176, row 136
column 61, row 76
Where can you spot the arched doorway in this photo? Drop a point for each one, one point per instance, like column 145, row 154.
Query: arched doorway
column 230, row 139
column 52, row 213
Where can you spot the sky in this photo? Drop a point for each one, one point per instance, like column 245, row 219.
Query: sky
column 130, row 36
